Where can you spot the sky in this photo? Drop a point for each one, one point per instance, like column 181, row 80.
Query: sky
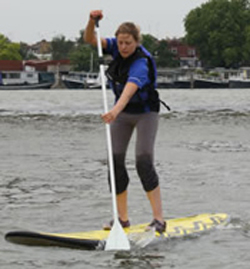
column 30, row 21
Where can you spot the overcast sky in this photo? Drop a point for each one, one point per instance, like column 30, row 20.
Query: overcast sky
column 32, row 20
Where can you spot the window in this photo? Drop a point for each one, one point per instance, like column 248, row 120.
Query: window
column 14, row 75
column 191, row 52
column 174, row 50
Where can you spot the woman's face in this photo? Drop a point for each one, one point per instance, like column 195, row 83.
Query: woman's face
column 126, row 45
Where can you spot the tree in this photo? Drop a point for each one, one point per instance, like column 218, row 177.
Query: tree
column 84, row 58
column 25, row 52
column 246, row 47
column 159, row 50
column 165, row 58
column 79, row 39
column 219, row 29
column 9, row 50
column 61, row 48
column 150, row 42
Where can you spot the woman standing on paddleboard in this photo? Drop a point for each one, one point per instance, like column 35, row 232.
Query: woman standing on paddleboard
column 132, row 75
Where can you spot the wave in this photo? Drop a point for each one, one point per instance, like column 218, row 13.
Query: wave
column 215, row 146
column 212, row 115
column 47, row 116
column 239, row 224
column 94, row 116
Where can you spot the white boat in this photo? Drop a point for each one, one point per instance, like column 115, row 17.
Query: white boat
column 182, row 82
column 241, row 79
column 209, row 82
column 164, row 82
column 196, row 81
column 26, row 80
column 82, row 80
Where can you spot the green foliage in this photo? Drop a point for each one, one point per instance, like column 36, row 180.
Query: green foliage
column 8, row 50
column 246, row 47
column 219, row 29
column 79, row 40
column 214, row 74
column 150, row 42
column 160, row 51
column 84, row 58
column 165, row 58
column 25, row 52
column 61, row 48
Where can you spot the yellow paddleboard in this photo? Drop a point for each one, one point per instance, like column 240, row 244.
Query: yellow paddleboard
column 92, row 240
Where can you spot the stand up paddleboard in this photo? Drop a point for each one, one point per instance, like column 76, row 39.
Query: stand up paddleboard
column 93, row 240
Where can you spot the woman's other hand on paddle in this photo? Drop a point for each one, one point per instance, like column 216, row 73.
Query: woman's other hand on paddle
column 96, row 14
column 110, row 116
column 129, row 90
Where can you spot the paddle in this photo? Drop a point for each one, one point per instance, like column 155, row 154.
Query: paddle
column 117, row 239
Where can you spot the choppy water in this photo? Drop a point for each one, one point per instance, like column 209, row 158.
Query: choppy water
column 53, row 177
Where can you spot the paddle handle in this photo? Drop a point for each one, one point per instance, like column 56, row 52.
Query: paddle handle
column 108, row 132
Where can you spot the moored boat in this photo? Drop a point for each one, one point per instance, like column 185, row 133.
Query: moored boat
column 164, row 82
column 26, row 80
column 82, row 80
column 182, row 82
column 241, row 79
column 210, row 83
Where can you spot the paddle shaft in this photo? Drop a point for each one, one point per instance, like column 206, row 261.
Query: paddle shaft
column 108, row 132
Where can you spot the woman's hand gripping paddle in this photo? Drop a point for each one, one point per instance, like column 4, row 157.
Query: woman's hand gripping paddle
column 117, row 239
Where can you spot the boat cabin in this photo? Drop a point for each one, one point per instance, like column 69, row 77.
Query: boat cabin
column 18, row 77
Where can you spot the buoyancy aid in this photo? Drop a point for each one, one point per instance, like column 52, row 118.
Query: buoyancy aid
column 146, row 98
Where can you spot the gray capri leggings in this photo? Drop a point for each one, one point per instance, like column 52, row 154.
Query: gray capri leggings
column 146, row 125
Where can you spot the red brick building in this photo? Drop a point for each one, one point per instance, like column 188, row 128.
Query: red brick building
column 185, row 54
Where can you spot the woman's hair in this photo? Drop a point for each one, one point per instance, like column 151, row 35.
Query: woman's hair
column 129, row 28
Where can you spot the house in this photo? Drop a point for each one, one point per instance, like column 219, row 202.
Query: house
column 41, row 49
column 187, row 55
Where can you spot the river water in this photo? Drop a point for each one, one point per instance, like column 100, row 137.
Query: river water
column 53, row 177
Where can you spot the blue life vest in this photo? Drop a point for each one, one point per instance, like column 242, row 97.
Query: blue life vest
column 146, row 98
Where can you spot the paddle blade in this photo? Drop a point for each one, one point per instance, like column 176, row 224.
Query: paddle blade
column 117, row 239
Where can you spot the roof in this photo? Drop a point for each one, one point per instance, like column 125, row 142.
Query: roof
column 46, row 62
column 11, row 65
